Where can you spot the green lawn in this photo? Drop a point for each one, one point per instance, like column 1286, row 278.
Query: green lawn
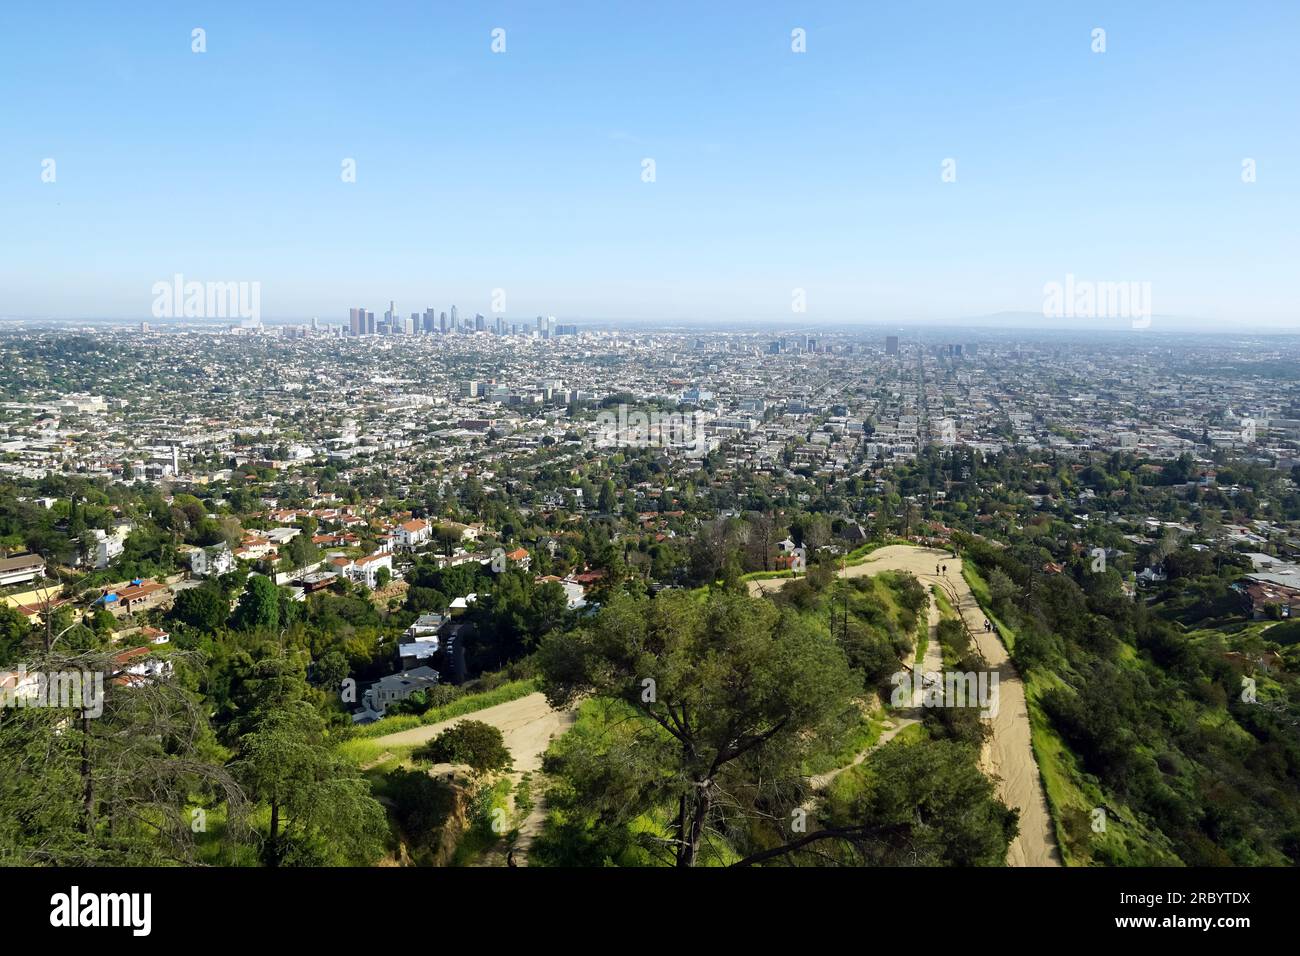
column 457, row 708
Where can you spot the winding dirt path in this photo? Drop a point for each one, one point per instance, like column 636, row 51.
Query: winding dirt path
column 1009, row 755
column 823, row 780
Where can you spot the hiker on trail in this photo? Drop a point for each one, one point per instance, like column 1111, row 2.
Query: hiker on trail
column 945, row 569
column 987, row 625
column 936, row 569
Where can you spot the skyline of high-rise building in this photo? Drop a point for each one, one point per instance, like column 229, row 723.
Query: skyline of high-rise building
column 361, row 321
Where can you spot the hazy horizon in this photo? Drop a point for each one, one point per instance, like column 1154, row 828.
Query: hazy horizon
column 910, row 164
column 994, row 322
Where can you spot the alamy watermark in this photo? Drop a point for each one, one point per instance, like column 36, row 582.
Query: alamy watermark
column 75, row 909
column 639, row 428
column 66, row 690
column 1085, row 299
column 947, row 689
column 206, row 300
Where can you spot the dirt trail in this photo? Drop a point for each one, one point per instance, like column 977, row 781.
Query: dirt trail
column 899, row 720
column 1009, row 754
column 527, row 725
column 933, row 662
column 900, row 723
column 526, row 832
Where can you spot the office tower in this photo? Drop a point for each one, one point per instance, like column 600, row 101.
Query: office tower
column 371, row 327
column 541, row 325
column 550, row 326
column 455, row 320
column 891, row 345
column 480, row 324
column 356, row 321
column 429, row 319
column 443, row 324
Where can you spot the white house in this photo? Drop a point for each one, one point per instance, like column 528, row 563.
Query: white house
column 424, row 626
column 109, row 545
column 461, row 604
column 468, row 532
column 155, row 635
column 388, row 690
column 1149, row 576
column 282, row 536
column 574, row 593
column 20, row 569
column 139, row 666
column 413, row 534
column 211, row 561
column 420, row 641
column 365, row 570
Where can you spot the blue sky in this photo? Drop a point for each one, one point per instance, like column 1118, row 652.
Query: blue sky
column 774, row 170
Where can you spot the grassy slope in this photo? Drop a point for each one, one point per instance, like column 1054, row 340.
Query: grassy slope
column 1072, row 794
column 846, row 787
column 856, row 556
column 457, row 708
